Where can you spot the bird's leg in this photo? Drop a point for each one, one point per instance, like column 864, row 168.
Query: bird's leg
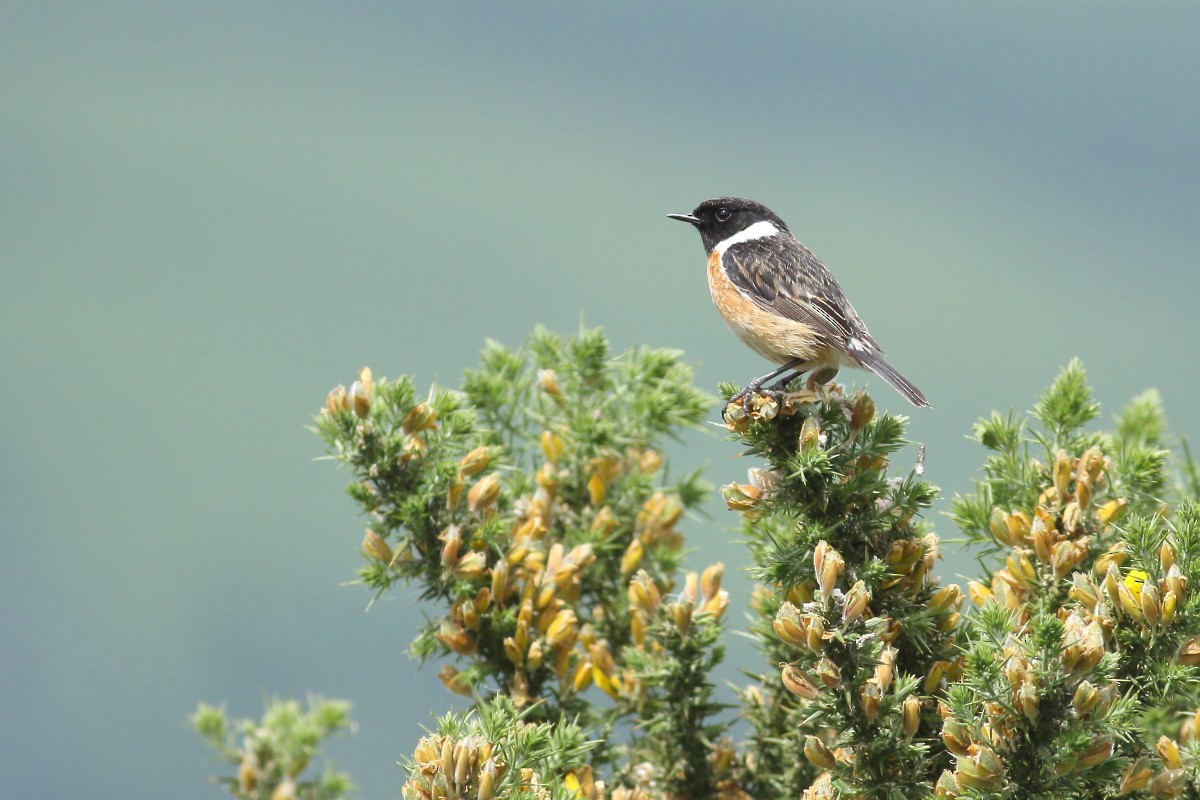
column 755, row 385
column 782, row 384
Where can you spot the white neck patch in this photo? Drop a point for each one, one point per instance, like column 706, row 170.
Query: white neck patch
column 759, row 230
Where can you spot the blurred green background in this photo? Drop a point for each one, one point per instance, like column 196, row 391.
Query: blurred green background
column 211, row 213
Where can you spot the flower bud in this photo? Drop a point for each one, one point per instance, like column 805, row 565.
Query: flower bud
column 933, row 678
column 1175, row 581
column 1169, row 751
column 885, row 670
column 1100, row 751
column 650, row 461
column 947, row 597
column 957, row 737
column 798, row 683
column 1130, row 602
column 911, row 715
column 1020, row 527
column 1084, row 591
column 1062, row 473
column 1071, row 516
column 544, row 595
column 547, row 381
column 644, row 594
column 1137, row 776
column 710, row 580
column 500, row 581
column 829, row 673
column 681, row 613
column 514, row 653
column 789, row 627
column 815, row 632
column 632, row 556
column 487, row 781
column 563, row 629
column 1021, row 569
column 716, row 605
column 998, row 524
column 829, row 569
column 1166, row 555
column 451, row 539
column 1169, row 602
column 871, row 698
column 1169, row 783
column 1189, row 732
column 552, row 446
column 855, row 603
column 1041, row 539
column 450, row 678
column 285, row 790
column 817, row 753
column 360, row 402
column 583, row 676
column 1189, row 653
column 1151, row 603
column 862, row 412
column 1067, row 555
column 1028, row 699
column 420, row 418
column 471, row 566
column 982, row 770
column 1083, row 644
column 978, row 593
column 1091, row 466
column 249, row 772
column 1112, row 584
column 375, row 547
column 1085, row 697
column 1083, row 494
column 1112, row 510
column 810, row 433
column 947, row 787
column 484, row 494
column 336, row 400
column 474, row 462
column 742, row 497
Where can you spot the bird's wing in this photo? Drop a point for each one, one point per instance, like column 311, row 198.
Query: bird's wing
column 783, row 277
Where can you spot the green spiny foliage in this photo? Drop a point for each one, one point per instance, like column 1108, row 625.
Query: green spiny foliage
column 494, row 750
column 847, row 603
column 272, row 754
column 521, row 502
column 526, row 505
column 1083, row 647
column 533, row 509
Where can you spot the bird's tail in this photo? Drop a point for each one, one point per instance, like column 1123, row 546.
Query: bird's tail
column 875, row 362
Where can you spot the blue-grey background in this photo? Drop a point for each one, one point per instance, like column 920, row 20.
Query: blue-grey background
column 211, row 213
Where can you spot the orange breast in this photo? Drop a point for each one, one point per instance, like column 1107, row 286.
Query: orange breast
column 772, row 336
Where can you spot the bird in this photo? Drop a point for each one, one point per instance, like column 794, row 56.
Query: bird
column 781, row 300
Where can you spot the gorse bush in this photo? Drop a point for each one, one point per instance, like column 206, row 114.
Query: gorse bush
column 537, row 516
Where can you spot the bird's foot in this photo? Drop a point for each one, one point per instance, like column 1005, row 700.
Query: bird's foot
column 753, row 402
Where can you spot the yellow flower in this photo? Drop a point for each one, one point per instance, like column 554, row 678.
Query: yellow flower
column 1134, row 581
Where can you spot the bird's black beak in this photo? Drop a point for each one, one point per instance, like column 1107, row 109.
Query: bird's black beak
column 685, row 218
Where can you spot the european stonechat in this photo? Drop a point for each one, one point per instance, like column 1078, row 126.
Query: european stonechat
column 780, row 300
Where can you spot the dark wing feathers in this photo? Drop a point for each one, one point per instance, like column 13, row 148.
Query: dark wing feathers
column 784, row 277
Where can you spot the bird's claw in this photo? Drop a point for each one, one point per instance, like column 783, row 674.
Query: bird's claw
column 745, row 399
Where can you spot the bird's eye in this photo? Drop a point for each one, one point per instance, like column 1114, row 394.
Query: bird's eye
column 723, row 214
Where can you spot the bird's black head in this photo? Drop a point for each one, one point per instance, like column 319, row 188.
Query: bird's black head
column 722, row 217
